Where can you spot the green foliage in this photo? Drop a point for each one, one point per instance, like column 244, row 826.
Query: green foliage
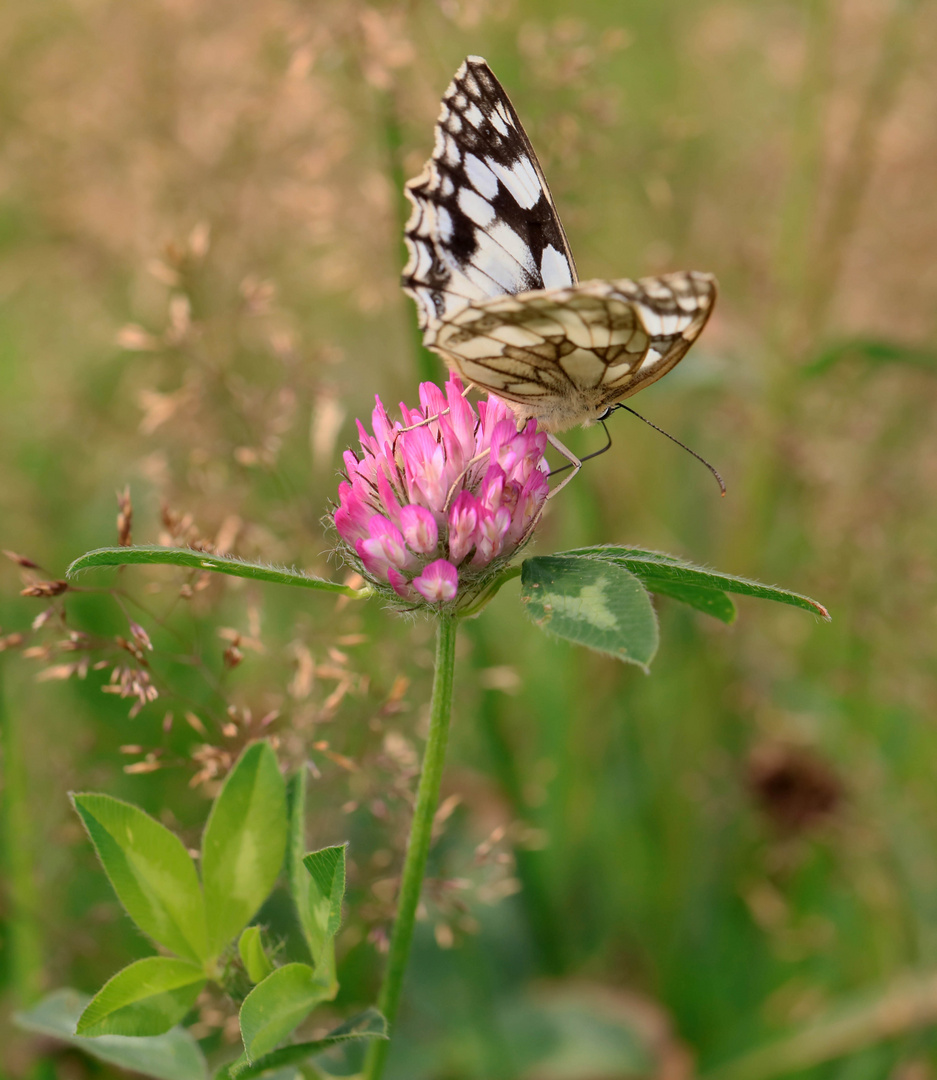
column 367, row 1025
column 275, row 1007
column 173, row 1056
column 146, row 998
column 673, row 135
column 561, row 1032
column 244, row 843
column 694, row 585
column 597, row 596
column 602, row 606
column 874, row 351
column 282, row 1000
column 251, row 951
column 327, row 872
column 299, row 879
column 249, row 829
column 151, row 872
column 200, row 560
column 841, row 1030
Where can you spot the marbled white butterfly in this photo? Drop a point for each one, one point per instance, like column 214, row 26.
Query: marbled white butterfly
column 495, row 283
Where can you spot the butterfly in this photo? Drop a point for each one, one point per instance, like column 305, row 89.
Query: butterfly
column 495, row 283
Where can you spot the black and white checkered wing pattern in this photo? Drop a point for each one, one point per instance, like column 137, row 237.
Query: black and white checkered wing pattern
column 495, row 284
column 483, row 221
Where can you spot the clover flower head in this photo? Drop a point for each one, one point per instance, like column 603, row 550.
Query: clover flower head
column 434, row 505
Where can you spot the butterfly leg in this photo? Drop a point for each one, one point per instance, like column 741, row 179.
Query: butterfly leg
column 574, row 462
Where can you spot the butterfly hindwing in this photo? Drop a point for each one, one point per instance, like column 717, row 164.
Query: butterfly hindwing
column 483, row 221
column 563, row 356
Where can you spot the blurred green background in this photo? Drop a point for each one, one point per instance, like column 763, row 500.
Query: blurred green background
column 727, row 869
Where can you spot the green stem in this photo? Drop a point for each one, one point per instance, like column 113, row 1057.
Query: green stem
column 17, row 850
column 427, row 365
column 421, row 832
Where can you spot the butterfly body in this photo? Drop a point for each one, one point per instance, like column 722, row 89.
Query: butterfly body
column 495, row 283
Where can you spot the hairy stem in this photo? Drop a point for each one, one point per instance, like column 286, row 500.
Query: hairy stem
column 421, row 831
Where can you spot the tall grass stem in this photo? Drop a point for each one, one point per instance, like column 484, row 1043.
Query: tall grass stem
column 17, row 850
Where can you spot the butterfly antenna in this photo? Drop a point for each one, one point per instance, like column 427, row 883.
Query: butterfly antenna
column 588, row 457
column 719, row 480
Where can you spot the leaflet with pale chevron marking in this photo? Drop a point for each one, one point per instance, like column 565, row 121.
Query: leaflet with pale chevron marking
column 495, row 282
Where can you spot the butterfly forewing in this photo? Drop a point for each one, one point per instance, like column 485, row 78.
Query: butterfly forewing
column 483, row 221
column 495, row 283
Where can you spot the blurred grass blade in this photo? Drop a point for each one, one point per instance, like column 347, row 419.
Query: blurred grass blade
column 19, row 859
column 173, row 1056
column 367, row 1025
column 672, row 576
column 200, row 560
column 875, row 351
column 594, row 603
column 148, row 997
column 906, row 1005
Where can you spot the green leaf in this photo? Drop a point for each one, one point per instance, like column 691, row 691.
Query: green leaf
column 200, row 560
column 243, row 844
column 875, row 350
column 327, row 873
column 152, row 873
column 278, row 1005
column 251, row 950
column 667, row 574
column 173, row 1056
column 367, row 1025
column 296, row 873
column 712, row 602
column 146, row 998
column 593, row 603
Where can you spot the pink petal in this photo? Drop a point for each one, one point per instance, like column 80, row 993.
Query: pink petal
column 372, row 558
column 350, row 460
column 492, row 529
column 384, row 430
column 400, row 584
column 353, row 513
column 491, row 491
column 463, row 520
column 388, row 498
column 461, row 418
column 432, row 399
column 419, row 529
column 438, row 583
column 529, row 507
column 426, row 470
column 384, row 548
